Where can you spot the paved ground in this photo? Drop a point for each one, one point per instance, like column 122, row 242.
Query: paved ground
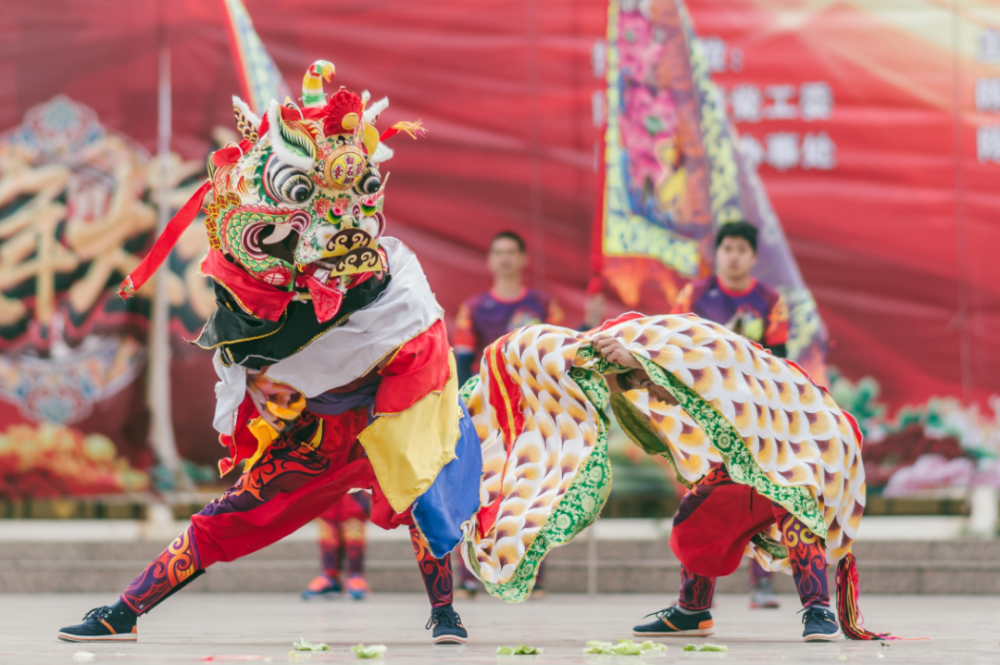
column 236, row 627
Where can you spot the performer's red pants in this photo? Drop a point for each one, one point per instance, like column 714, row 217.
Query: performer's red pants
column 713, row 526
column 293, row 483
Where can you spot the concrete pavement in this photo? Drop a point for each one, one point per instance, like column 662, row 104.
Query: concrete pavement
column 191, row 627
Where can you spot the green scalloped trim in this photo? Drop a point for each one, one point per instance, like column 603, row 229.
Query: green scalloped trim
column 739, row 462
column 580, row 504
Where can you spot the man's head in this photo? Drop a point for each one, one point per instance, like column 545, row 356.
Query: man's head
column 506, row 257
column 735, row 251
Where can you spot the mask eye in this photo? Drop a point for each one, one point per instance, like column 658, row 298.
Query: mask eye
column 298, row 188
column 287, row 184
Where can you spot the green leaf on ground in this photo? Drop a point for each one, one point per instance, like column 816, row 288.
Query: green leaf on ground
column 705, row 647
column 521, row 649
column 374, row 651
column 305, row 645
column 623, row 648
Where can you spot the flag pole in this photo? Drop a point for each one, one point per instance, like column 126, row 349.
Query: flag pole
column 161, row 432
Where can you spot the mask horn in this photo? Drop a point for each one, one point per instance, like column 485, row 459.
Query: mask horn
column 247, row 121
column 312, row 83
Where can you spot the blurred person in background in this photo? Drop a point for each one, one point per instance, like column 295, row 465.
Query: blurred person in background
column 750, row 308
column 342, row 541
column 488, row 316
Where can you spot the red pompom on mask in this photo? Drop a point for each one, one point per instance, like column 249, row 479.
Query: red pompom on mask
column 342, row 114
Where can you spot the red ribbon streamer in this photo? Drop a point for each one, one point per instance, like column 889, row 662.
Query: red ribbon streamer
column 164, row 244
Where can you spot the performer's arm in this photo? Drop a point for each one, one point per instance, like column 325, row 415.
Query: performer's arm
column 636, row 378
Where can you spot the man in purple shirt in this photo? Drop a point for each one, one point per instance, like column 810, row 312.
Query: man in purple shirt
column 490, row 315
column 748, row 307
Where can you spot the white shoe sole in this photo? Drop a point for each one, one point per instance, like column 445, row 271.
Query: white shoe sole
column 126, row 637
column 823, row 638
column 697, row 632
column 450, row 639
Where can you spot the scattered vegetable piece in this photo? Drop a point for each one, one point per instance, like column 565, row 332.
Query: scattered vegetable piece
column 305, row 645
column 705, row 647
column 84, row 655
column 521, row 649
column 374, row 651
column 623, row 648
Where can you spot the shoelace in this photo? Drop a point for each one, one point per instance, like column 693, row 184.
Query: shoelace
column 659, row 614
column 825, row 615
column 443, row 615
column 98, row 613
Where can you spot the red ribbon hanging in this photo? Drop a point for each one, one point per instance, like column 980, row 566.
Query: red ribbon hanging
column 164, row 244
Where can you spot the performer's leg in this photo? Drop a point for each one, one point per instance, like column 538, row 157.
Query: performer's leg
column 762, row 594
column 329, row 581
column 284, row 490
column 353, row 534
column 807, row 553
column 438, row 580
column 696, row 592
column 808, row 557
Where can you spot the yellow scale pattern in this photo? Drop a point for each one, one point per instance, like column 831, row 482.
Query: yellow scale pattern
column 793, row 429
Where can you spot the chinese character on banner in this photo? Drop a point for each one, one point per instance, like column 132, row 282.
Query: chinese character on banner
column 818, row 152
column 753, row 151
column 988, row 46
column 714, row 49
column 745, row 101
column 988, row 144
column 988, row 95
column 782, row 150
column 782, row 107
column 815, row 101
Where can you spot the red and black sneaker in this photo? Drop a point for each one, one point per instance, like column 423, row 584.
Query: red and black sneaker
column 116, row 623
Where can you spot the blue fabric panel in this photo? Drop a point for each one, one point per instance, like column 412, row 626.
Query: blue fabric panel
column 454, row 497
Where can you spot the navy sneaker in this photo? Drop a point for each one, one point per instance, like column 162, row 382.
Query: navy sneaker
column 820, row 625
column 672, row 622
column 116, row 623
column 448, row 628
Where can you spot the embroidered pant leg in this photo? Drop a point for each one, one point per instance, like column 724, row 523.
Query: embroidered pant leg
column 696, row 591
column 288, row 487
column 329, row 546
column 807, row 553
column 438, row 578
column 353, row 532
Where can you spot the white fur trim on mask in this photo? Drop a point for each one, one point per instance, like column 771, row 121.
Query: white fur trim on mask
column 375, row 109
column 278, row 143
column 382, row 153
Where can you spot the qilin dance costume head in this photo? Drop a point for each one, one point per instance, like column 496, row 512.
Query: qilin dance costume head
column 297, row 204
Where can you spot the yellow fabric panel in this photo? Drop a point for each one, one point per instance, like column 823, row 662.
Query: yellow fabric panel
column 265, row 435
column 408, row 450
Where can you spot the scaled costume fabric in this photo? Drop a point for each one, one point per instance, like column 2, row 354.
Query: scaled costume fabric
column 538, row 406
column 334, row 367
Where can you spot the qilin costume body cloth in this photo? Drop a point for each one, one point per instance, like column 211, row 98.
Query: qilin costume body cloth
column 335, row 372
column 752, row 427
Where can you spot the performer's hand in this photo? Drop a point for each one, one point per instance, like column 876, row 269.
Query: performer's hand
column 614, row 351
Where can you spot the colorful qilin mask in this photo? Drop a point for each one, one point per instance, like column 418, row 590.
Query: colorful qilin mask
column 298, row 203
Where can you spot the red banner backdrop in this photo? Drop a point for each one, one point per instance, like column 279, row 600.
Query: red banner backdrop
column 877, row 130
column 875, row 125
